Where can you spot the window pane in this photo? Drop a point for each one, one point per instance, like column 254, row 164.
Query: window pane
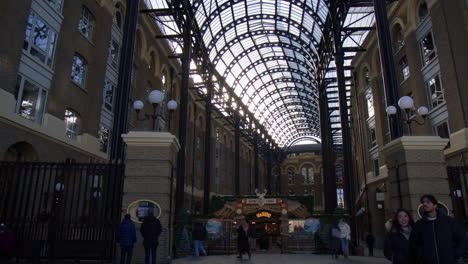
column 103, row 139
column 404, row 68
column 41, row 35
column 78, row 71
column 108, row 95
column 28, row 103
column 72, row 123
column 370, row 103
column 436, row 92
column 443, row 131
column 27, row 34
column 56, row 4
column 114, row 53
column 85, row 26
column 428, row 48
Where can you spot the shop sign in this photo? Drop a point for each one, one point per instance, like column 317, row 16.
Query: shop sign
column 256, row 201
column 263, row 214
column 379, row 197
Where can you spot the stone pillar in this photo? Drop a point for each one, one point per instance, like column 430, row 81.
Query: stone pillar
column 416, row 166
column 149, row 173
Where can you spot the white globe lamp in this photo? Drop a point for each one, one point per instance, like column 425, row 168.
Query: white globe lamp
column 155, row 97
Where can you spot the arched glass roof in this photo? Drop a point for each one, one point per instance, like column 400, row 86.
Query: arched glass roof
column 268, row 52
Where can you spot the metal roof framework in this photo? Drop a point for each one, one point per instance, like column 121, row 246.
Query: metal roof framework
column 270, row 61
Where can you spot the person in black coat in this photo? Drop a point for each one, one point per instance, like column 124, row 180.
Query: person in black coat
column 199, row 235
column 370, row 239
column 126, row 238
column 397, row 246
column 436, row 238
column 242, row 239
column 150, row 230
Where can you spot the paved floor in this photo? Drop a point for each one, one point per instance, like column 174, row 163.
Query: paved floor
column 280, row 259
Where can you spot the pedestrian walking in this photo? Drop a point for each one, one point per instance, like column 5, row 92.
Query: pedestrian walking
column 242, row 239
column 370, row 239
column 199, row 235
column 335, row 240
column 150, row 230
column 126, row 238
column 436, row 238
column 252, row 237
column 345, row 237
column 7, row 243
column 397, row 246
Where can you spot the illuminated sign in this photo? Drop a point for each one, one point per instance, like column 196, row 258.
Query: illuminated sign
column 263, row 214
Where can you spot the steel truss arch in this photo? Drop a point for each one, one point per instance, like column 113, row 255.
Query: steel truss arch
column 229, row 4
column 261, row 17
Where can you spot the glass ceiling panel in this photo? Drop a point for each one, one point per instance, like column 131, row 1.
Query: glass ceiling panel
column 267, row 51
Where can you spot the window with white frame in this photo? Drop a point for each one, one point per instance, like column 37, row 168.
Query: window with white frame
column 435, row 91
column 72, row 124
column 104, row 134
column 79, row 68
column 86, row 23
column 30, row 100
column 56, row 4
column 108, row 95
column 428, row 49
column 40, row 40
column 340, row 197
column 308, row 175
column 404, row 69
column 291, row 172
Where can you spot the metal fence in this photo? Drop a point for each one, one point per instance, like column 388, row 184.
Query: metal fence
column 62, row 210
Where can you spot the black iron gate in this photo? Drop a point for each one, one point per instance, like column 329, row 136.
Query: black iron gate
column 458, row 188
column 62, row 210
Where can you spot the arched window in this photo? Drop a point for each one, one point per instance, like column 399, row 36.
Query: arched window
column 339, row 173
column 423, row 11
column 72, row 124
column 291, row 172
column 308, row 175
column 398, row 38
column 79, row 68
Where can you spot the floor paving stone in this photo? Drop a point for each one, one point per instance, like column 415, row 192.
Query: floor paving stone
column 280, row 259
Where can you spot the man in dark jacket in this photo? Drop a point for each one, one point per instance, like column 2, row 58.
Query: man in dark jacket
column 126, row 238
column 436, row 238
column 150, row 230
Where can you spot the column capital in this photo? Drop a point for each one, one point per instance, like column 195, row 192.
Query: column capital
column 415, row 143
column 151, row 139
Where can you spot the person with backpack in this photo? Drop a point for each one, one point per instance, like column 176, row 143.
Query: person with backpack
column 7, row 243
column 150, row 230
column 126, row 238
column 199, row 235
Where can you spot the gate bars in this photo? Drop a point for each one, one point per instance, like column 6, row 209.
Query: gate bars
column 62, row 210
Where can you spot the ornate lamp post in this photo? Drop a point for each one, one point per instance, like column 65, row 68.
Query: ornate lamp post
column 406, row 103
column 155, row 97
